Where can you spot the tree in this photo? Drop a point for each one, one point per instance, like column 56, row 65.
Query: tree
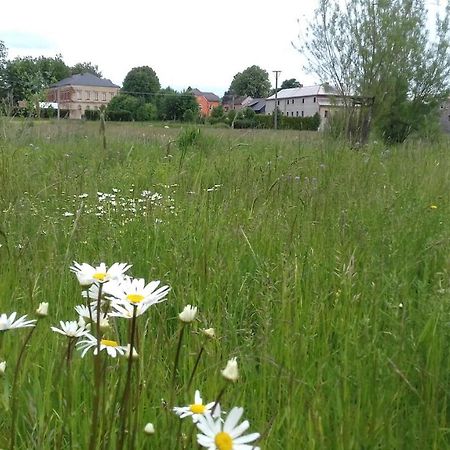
column 172, row 105
column 142, row 82
column 381, row 53
column 3, row 60
column 123, row 107
column 85, row 67
column 291, row 83
column 253, row 82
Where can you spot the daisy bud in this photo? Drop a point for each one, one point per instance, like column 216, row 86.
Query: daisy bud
column 209, row 333
column 188, row 314
column 231, row 372
column 133, row 354
column 42, row 310
column 149, row 429
column 2, row 367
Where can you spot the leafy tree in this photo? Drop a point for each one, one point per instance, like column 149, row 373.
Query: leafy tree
column 253, row 82
column 383, row 53
column 291, row 83
column 142, row 82
column 85, row 67
column 3, row 60
column 123, row 107
column 172, row 105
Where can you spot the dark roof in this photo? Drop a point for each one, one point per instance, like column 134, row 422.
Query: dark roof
column 208, row 95
column 258, row 104
column 228, row 99
column 85, row 79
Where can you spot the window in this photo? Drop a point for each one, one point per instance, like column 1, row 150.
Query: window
column 104, row 96
column 303, row 100
column 95, row 95
column 79, row 95
column 314, row 100
column 88, row 95
column 325, row 113
column 296, row 113
column 292, row 101
column 278, row 102
column 303, row 113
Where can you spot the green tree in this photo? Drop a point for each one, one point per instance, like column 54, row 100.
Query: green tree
column 85, row 67
column 383, row 53
column 291, row 83
column 142, row 82
column 172, row 105
column 3, row 61
column 253, row 82
column 123, row 107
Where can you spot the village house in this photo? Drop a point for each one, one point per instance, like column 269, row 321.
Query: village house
column 79, row 93
column 207, row 101
column 304, row 101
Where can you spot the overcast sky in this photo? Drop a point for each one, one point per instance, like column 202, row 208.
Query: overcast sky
column 197, row 43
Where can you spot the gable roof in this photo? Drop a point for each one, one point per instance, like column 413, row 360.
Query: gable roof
column 211, row 97
column 305, row 91
column 85, row 79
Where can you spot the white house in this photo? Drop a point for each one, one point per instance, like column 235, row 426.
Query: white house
column 304, row 101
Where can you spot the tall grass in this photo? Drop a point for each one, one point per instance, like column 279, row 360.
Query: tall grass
column 324, row 270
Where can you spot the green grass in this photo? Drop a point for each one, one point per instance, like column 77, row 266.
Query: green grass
column 324, row 270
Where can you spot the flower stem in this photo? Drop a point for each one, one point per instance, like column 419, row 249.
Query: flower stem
column 14, row 389
column 197, row 361
column 95, row 432
column 123, row 413
column 175, row 365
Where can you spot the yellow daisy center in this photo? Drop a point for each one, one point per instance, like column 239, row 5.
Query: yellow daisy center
column 223, row 441
column 135, row 298
column 197, row 408
column 109, row 343
column 99, row 276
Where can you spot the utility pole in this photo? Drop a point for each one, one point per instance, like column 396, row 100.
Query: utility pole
column 275, row 111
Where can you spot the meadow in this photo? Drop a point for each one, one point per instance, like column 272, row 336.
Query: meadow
column 323, row 270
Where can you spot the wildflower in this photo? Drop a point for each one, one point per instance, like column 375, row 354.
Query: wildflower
column 68, row 214
column 188, row 314
column 112, row 347
column 71, row 329
column 8, row 323
column 209, row 333
column 226, row 436
column 134, row 291
column 231, row 372
column 433, row 207
column 131, row 353
column 127, row 310
column 86, row 312
column 88, row 274
column 2, row 367
column 42, row 310
column 149, row 429
column 197, row 409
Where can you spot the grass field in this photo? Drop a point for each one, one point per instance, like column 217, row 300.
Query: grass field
column 324, row 270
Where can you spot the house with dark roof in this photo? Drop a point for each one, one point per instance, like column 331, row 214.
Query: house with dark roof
column 257, row 104
column 305, row 101
column 207, row 101
column 81, row 92
column 233, row 102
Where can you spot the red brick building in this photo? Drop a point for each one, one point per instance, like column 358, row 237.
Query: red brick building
column 207, row 101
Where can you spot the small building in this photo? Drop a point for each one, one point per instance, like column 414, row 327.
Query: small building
column 257, row 104
column 207, row 101
column 81, row 92
column 304, row 101
column 232, row 102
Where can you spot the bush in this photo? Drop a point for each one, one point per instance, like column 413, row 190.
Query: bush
column 92, row 114
column 146, row 112
column 119, row 115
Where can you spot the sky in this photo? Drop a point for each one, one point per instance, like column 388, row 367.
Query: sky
column 197, row 43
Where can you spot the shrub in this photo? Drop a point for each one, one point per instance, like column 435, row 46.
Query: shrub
column 92, row 114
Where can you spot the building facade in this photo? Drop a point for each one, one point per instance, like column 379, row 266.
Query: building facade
column 304, row 101
column 207, row 101
column 79, row 93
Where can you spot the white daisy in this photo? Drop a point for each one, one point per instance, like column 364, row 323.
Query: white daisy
column 86, row 312
column 227, row 435
column 8, row 323
column 88, row 274
column 134, row 291
column 111, row 347
column 126, row 310
column 197, row 409
column 231, row 371
column 71, row 329
column 188, row 314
